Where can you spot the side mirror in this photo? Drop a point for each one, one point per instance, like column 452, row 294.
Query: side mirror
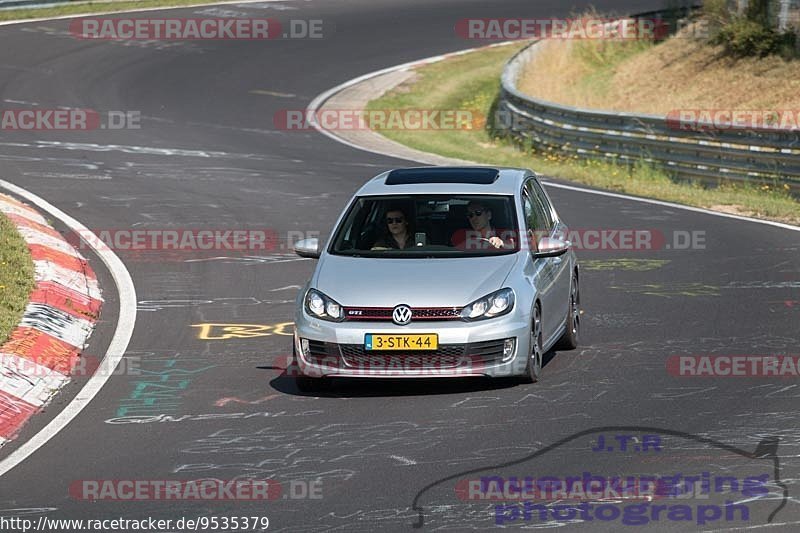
column 550, row 247
column 308, row 248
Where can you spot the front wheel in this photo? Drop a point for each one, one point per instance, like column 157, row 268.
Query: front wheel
column 569, row 340
column 534, row 366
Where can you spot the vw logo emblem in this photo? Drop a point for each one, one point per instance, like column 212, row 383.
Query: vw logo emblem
column 401, row 315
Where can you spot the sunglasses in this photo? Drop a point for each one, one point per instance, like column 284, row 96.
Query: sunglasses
column 396, row 220
column 475, row 213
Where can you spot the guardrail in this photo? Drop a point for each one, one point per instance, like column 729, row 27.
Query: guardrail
column 704, row 153
column 20, row 4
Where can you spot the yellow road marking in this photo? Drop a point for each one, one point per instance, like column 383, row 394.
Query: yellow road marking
column 216, row 332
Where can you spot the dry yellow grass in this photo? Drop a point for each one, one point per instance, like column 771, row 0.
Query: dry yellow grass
column 680, row 73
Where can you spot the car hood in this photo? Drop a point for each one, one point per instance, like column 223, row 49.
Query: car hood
column 439, row 282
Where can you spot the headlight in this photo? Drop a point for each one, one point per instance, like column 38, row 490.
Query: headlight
column 320, row 306
column 492, row 305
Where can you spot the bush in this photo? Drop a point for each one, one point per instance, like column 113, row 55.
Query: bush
column 744, row 37
column 751, row 34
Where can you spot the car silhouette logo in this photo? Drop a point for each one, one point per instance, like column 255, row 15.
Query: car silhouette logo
column 401, row 315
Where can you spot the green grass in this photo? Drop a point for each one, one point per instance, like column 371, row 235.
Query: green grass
column 471, row 81
column 603, row 56
column 16, row 277
column 91, row 7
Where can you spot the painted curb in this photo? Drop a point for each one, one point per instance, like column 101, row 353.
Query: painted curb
column 44, row 349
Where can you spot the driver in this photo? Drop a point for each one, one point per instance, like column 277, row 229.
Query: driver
column 483, row 235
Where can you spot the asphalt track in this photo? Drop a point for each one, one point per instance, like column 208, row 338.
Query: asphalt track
column 207, row 156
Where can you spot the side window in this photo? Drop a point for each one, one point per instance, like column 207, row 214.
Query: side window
column 540, row 219
column 539, row 193
column 531, row 219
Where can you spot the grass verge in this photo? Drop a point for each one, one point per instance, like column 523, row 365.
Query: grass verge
column 472, row 81
column 16, row 277
column 90, row 7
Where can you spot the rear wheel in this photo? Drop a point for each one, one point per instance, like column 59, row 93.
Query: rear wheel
column 534, row 367
column 569, row 340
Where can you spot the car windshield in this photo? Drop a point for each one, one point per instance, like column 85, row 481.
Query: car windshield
column 428, row 226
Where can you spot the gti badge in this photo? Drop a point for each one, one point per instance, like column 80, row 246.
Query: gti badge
column 401, row 315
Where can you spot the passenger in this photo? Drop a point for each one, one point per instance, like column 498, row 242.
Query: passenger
column 398, row 233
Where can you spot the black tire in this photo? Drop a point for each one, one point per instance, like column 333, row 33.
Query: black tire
column 569, row 340
column 533, row 367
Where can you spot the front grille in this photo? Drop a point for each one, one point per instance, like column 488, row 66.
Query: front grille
column 447, row 356
column 384, row 314
column 357, row 350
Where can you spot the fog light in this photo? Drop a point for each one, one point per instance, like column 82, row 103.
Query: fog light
column 304, row 348
column 508, row 348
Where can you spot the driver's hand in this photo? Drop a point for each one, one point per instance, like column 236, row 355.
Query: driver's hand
column 497, row 242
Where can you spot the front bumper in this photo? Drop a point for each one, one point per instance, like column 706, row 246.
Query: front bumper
column 335, row 349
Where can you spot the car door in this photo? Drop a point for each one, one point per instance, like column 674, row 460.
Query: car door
column 561, row 264
column 542, row 269
column 554, row 294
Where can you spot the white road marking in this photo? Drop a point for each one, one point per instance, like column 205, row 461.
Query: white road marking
column 670, row 204
column 286, row 288
column 116, row 349
column 407, row 462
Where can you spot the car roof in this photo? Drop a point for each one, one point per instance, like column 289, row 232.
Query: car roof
column 446, row 180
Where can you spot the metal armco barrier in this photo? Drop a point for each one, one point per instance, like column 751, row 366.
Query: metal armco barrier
column 701, row 154
column 29, row 3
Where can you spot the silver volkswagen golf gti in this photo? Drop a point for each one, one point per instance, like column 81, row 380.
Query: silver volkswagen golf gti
column 439, row 272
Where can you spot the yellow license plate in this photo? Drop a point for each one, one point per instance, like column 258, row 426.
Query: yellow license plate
column 427, row 341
